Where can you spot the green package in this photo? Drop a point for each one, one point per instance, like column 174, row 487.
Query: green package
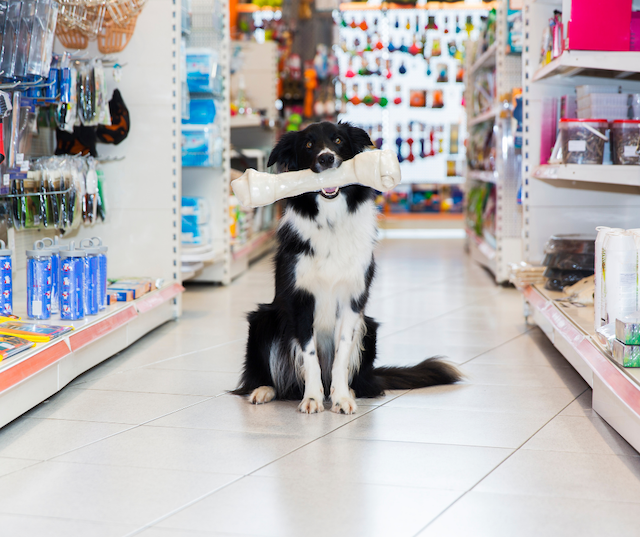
column 628, row 329
column 626, row 355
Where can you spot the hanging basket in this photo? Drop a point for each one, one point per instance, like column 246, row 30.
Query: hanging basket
column 72, row 38
column 113, row 37
column 121, row 11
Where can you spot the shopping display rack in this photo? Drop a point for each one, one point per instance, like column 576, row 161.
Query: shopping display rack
column 506, row 177
column 143, row 185
column 575, row 199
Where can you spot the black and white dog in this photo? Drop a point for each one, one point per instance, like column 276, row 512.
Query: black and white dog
column 314, row 338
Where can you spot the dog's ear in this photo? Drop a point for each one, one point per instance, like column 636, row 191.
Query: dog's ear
column 358, row 137
column 285, row 153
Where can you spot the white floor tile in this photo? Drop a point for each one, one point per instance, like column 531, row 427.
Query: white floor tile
column 480, row 514
column 271, row 507
column 31, row 526
column 111, row 494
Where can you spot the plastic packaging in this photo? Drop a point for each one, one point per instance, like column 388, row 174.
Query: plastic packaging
column 569, row 261
column 558, row 279
column 583, row 140
column 625, row 142
column 102, row 272
column 628, row 329
column 10, row 40
column 626, row 355
column 27, row 17
column 197, row 146
column 598, row 303
column 378, row 169
column 72, row 277
column 6, row 282
column 54, row 247
column 39, row 281
column 609, row 113
column 619, row 274
column 91, row 276
column 584, row 90
column 571, row 243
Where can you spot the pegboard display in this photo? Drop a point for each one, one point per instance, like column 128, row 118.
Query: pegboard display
column 402, row 80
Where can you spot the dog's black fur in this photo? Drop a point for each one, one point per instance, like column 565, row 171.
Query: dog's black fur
column 289, row 320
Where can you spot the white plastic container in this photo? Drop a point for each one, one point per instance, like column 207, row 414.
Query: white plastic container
column 604, row 99
column 620, row 274
column 598, row 303
column 607, row 112
column 588, row 89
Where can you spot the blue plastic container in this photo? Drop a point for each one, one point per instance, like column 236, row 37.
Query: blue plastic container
column 54, row 246
column 39, row 282
column 91, row 275
column 72, row 283
column 6, row 283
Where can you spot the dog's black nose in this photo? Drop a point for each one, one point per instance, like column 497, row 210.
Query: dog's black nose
column 326, row 160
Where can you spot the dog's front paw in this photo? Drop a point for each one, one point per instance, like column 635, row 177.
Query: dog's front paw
column 262, row 395
column 311, row 405
column 343, row 405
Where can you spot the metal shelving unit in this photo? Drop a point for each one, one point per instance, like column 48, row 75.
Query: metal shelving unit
column 571, row 198
column 210, row 29
column 142, row 196
column 576, row 199
column 506, row 175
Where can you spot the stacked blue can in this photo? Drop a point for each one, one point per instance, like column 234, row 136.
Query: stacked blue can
column 62, row 278
column 6, row 284
column 39, row 281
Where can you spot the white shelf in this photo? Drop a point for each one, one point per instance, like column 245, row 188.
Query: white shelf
column 616, row 390
column 489, row 114
column 252, row 120
column 200, row 254
column 30, row 377
column 481, row 252
column 486, row 59
column 601, row 174
column 481, row 175
column 455, row 180
column 575, row 62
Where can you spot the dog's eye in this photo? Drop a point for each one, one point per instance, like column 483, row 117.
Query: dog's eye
column 338, row 141
column 309, row 145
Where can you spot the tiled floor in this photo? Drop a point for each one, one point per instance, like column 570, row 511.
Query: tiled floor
column 149, row 444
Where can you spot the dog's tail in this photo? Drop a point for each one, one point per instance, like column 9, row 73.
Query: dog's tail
column 430, row 372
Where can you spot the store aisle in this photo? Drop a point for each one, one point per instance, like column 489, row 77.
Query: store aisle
column 149, row 444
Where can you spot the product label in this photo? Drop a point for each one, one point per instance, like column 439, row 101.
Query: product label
column 36, row 308
column 630, row 151
column 577, row 146
column 19, row 158
column 6, row 179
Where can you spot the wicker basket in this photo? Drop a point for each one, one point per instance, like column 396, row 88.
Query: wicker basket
column 121, row 11
column 113, row 37
column 72, row 39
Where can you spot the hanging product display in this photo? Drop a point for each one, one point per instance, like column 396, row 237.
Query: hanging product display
column 412, row 53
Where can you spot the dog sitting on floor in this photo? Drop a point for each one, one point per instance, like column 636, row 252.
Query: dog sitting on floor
column 314, row 338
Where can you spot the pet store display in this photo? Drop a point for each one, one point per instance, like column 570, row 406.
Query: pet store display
column 376, row 169
column 202, row 143
column 66, row 280
column 401, row 69
column 569, row 259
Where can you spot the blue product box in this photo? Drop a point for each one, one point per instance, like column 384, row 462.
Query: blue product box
column 201, row 68
column 197, row 146
column 201, row 112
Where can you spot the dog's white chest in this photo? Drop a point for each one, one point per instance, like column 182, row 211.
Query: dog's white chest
column 342, row 247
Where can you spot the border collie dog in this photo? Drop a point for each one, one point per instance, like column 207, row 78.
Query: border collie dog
column 314, row 339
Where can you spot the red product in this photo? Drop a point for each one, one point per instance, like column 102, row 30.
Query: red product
column 592, row 28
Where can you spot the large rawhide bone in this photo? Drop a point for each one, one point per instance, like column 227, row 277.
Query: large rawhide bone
column 377, row 169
